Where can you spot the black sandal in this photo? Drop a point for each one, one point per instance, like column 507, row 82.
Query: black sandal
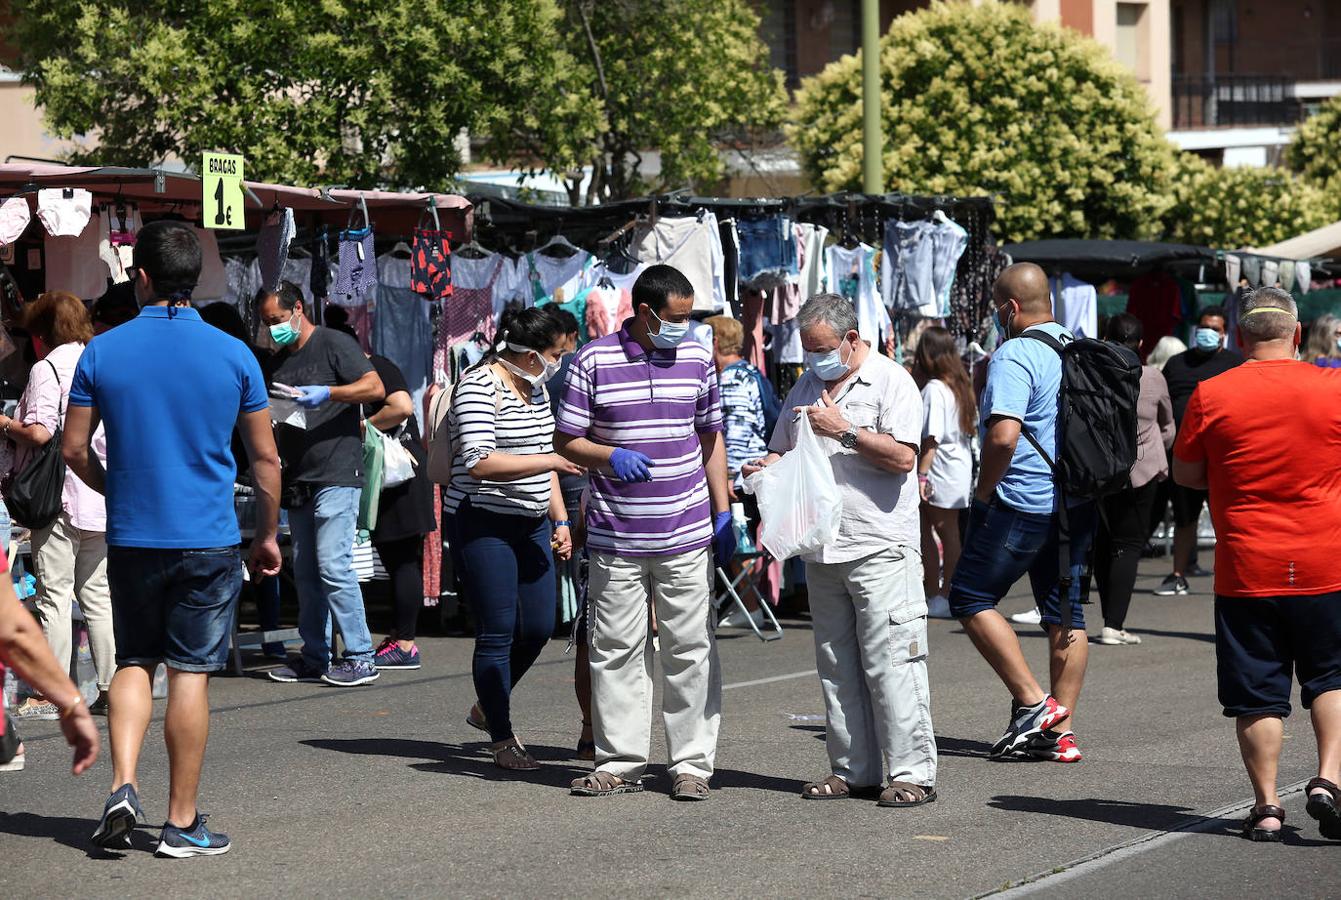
column 1262, row 835
column 1323, row 807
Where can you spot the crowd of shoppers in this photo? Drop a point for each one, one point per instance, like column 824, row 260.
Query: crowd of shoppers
column 629, row 453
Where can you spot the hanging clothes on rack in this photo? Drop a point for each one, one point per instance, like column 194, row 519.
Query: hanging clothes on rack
column 556, row 279
column 907, row 267
column 949, row 239
column 767, row 250
column 73, row 264
column 687, row 244
column 272, row 246
column 470, row 310
column 605, row 308
column 811, row 280
column 14, row 219
column 1075, row 304
column 358, row 264
column 852, row 275
column 213, row 282
column 431, row 273
column 401, row 330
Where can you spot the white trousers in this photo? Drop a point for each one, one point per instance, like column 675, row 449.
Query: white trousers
column 870, row 623
column 69, row 562
column 621, row 588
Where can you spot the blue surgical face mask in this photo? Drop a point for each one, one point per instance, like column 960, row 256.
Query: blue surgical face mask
column 1207, row 340
column 669, row 334
column 829, row 366
column 284, row 333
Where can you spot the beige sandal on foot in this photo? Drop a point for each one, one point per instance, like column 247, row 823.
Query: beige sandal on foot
column 511, row 755
column 603, row 784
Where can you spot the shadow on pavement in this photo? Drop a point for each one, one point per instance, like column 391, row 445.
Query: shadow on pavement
column 1180, row 635
column 71, row 832
column 1154, row 816
column 949, row 746
column 468, row 760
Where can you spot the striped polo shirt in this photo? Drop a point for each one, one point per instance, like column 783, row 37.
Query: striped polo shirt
column 619, row 395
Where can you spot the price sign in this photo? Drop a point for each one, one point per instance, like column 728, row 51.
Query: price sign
column 221, row 180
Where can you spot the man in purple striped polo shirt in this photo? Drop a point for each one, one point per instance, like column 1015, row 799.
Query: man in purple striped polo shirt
column 642, row 413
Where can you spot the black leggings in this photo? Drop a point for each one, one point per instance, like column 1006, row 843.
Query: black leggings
column 1123, row 532
column 403, row 560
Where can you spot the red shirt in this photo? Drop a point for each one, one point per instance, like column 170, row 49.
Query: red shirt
column 1270, row 435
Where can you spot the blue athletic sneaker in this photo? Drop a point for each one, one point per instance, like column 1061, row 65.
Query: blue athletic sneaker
column 348, row 673
column 390, row 656
column 119, row 818
column 179, row 843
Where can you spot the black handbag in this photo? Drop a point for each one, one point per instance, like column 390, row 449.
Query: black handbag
column 34, row 495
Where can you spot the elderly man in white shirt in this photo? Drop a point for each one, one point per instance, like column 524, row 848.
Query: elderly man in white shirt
column 870, row 615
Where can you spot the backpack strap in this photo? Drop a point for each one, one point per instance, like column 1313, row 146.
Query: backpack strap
column 1064, row 579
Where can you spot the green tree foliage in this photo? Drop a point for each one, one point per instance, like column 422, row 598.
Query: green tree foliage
column 682, row 76
column 376, row 92
column 356, row 92
column 980, row 100
column 1315, row 151
column 1243, row 207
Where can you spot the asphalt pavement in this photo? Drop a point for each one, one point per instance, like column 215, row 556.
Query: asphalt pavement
column 385, row 791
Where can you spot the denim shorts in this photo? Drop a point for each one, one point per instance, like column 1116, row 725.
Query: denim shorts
column 1259, row 641
column 767, row 248
column 1003, row 545
column 174, row 606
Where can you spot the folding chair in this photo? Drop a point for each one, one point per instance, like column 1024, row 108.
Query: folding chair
column 731, row 592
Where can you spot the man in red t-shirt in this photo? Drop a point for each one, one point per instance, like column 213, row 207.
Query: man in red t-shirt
column 1265, row 438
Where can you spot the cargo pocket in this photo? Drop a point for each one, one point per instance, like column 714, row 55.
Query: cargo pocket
column 908, row 633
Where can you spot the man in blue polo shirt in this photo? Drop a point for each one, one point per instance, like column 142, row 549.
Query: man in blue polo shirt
column 170, row 389
column 1013, row 524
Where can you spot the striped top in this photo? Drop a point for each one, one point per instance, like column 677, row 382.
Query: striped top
column 486, row 416
column 619, row 396
column 743, row 412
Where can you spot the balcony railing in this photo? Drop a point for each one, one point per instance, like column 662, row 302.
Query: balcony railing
column 1233, row 101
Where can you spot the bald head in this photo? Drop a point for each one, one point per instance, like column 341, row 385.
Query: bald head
column 1027, row 285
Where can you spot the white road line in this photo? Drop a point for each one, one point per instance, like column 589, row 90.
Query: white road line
column 741, row 684
column 1100, row 859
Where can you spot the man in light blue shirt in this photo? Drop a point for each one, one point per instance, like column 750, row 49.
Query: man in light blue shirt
column 1013, row 524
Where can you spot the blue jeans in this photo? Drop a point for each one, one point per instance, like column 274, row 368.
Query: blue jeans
column 510, row 572
column 767, row 247
column 174, row 606
column 323, row 568
column 1003, row 545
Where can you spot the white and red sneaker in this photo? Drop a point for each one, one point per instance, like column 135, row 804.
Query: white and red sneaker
column 1025, row 722
column 1053, row 746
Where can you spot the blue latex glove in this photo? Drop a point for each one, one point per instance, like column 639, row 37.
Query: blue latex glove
column 723, row 538
column 630, row 465
column 314, row 395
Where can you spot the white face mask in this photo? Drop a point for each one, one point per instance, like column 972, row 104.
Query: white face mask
column 829, row 366
column 534, row 379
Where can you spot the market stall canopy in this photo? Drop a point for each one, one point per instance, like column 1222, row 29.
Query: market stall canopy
column 1320, row 242
column 1098, row 260
column 163, row 190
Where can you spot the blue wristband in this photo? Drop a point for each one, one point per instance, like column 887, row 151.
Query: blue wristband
column 563, row 523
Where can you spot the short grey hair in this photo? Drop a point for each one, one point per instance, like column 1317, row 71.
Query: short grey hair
column 833, row 310
column 1268, row 314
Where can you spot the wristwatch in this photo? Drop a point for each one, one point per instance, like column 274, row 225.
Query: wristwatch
column 849, row 438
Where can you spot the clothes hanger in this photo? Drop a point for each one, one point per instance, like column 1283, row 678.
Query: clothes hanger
column 402, row 250
column 558, row 241
column 471, row 249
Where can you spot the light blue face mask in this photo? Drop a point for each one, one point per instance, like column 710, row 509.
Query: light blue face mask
column 1207, row 340
column 828, row 366
column 669, row 334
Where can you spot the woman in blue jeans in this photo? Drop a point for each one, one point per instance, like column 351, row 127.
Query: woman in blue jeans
column 510, row 516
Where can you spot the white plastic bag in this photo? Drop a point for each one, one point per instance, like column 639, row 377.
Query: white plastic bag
column 799, row 501
column 397, row 463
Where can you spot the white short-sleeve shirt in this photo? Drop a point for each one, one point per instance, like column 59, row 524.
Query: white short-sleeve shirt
column 879, row 507
column 951, row 475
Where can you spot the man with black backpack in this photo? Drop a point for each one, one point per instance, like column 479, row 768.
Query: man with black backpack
column 1034, row 504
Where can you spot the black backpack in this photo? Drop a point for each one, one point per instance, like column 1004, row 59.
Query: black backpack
column 34, row 494
column 1096, row 432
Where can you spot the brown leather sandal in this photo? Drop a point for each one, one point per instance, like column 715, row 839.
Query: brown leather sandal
column 1256, row 815
column 830, row 788
column 689, row 787
column 1325, row 807
column 602, row 784
column 905, row 793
